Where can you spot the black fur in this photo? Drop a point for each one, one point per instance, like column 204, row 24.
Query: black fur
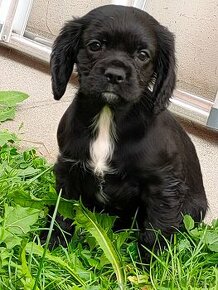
column 155, row 162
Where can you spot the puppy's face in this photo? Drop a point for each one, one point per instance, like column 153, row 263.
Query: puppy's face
column 116, row 56
column 119, row 51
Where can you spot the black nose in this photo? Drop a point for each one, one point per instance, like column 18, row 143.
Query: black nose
column 115, row 75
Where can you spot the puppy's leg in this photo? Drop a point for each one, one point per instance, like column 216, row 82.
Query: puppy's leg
column 162, row 213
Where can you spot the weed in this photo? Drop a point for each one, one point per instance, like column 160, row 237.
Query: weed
column 97, row 257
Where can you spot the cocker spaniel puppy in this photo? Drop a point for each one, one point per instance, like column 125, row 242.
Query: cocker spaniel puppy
column 121, row 150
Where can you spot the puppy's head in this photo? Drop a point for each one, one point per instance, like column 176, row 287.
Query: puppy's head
column 119, row 52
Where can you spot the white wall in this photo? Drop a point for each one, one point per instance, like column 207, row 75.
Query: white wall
column 49, row 15
column 195, row 25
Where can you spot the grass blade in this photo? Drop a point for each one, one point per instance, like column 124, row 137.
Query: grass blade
column 47, row 241
column 33, row 248
column 86, row 219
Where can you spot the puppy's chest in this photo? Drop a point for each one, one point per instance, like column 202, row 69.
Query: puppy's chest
column 101, row 146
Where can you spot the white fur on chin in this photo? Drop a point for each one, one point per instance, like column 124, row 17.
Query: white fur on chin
column 110, row 97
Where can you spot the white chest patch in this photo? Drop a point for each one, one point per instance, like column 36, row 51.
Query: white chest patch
column 102, row 147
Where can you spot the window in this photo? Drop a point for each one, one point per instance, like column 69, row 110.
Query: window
column 14, row 16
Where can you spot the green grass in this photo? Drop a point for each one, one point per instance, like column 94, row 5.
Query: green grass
column 96, row 257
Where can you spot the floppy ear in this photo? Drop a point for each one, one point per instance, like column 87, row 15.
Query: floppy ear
column 63, row 56
column 164, row 69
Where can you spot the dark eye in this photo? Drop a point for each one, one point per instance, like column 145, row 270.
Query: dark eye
column 94, row 45
column 143, row 55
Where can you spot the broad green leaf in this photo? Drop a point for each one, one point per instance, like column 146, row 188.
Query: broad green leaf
column 66, row 208
column 7, row 113
column 105, row 221
column 11, row 240
column 139, row 280
column 76, row 263
column 184, row 245
column 12, row 98
column 6, row 137
column 188, row 222
column 213, row 247
column 91, row 242
column 25, row 199
column 196, row 233
column 28, row 172
column 87, row 220
column 86, row 255
column 121, row 238
column 18, row 220
column 16, row 224
column 211, row 239
column 4, row 257
column 103, row 261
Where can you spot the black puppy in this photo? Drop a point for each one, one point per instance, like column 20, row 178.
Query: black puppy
column 120, row 148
